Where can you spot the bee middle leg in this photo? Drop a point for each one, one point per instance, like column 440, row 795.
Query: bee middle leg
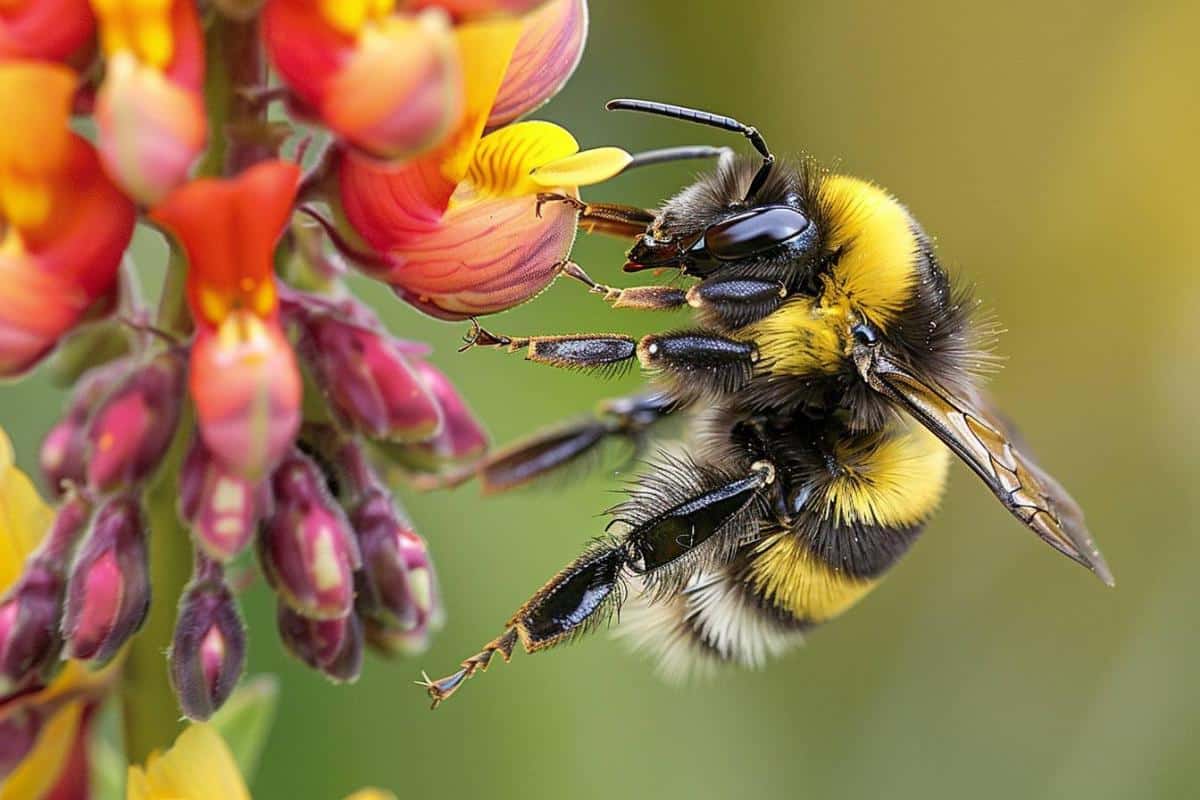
column 673, row 533
column 628, row 418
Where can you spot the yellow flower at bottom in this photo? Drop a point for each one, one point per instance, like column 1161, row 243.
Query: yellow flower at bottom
column 199, row 766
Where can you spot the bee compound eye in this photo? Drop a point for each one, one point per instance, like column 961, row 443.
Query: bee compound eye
column 754, row 231
column 865, row 334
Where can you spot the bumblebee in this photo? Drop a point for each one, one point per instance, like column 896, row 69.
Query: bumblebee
column 833, row 372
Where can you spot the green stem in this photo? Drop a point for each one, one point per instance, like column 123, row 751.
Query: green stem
column 150, row 710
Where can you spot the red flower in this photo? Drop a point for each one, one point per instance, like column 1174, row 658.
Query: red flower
column 244, row 377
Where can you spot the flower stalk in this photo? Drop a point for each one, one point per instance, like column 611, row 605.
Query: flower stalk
column 149, row 708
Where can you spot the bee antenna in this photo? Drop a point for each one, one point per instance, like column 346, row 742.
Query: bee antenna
column 724, row 123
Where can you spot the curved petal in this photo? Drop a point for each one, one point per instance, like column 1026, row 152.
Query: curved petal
column 485, row 256
column 550, row 48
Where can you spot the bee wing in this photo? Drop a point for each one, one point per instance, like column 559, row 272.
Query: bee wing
column 989, row 445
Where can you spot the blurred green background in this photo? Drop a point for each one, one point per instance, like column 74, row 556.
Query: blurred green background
column 1052, row 150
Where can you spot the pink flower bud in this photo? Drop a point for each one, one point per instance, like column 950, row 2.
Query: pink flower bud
column 333, row 646
column 222, row 507
column 424, row 596
column 63, row 455
column 130, row 432
column 368, row 380
column 208, row 651
column 306, row 547
column 108, row 592
column 29, row 626
column 461, row 436
column 384, row 591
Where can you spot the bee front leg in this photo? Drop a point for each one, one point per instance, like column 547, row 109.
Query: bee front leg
column 664, row 549
column 627, row 222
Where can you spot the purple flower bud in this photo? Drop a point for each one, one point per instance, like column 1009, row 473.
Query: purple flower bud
column 384, row 590
column 64, row 450
column 368, row 380
column 461, row 436
column 222, row 507
column 29, row 626
column 307, row 549
column 333, row 646
column 63, row 453
column 18, row 734
column 208, row 651
column 422, row 594
column 108, row 592
column 129, row 433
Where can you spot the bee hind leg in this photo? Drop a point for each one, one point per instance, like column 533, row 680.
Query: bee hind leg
column 697, row 529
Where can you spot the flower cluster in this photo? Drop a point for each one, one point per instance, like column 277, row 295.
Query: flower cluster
column 259, row 395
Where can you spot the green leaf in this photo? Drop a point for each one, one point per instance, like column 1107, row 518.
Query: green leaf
column 245, row 720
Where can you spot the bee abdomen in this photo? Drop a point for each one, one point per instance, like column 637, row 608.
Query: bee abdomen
column 717, row 619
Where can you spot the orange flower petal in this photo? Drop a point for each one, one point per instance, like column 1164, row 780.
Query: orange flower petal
column 485, row 256
column 228, row 228
column 400, row 92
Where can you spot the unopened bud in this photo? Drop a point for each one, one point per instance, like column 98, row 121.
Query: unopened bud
column 306, row 547
column 384, row 591
column 461, row 436
column 129, row 433
column 108, row 592
column 423, row 595
column 29, row 626
column 222, row 507
column 333, row 646
column 63, row 455
column 208, row 651
column 368, row 380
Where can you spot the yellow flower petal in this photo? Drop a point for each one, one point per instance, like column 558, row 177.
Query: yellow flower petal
column 582, row 169
column 198, row 766
column 485, row 48
column 37, row 773
column 24, row 517
column 505, row 159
